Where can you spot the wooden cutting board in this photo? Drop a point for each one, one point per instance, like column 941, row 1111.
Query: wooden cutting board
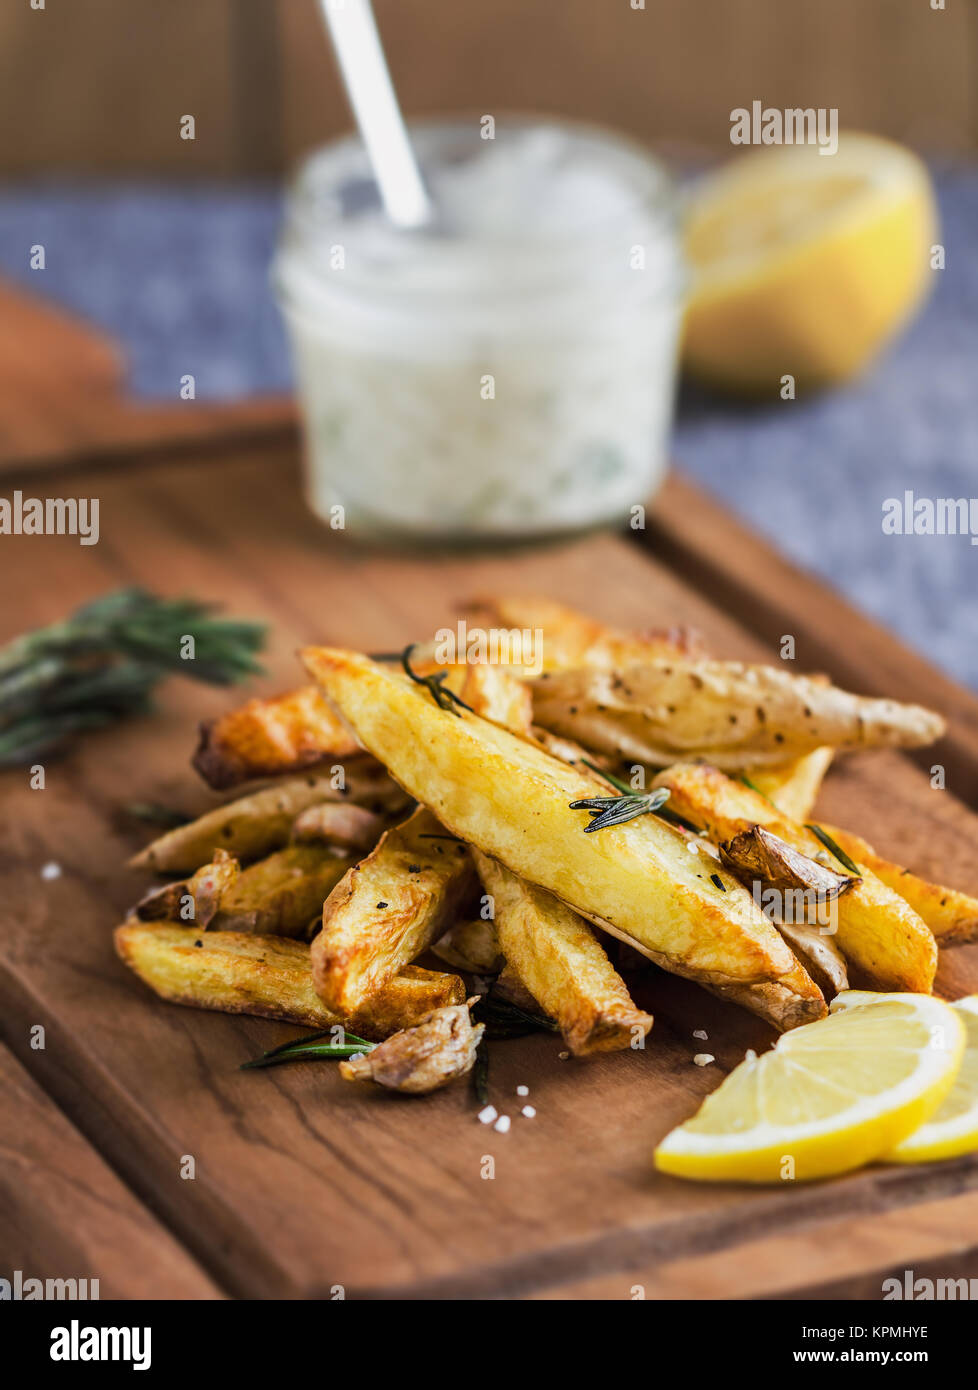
column 303, row 1184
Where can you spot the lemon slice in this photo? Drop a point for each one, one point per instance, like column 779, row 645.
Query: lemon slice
column 805, row 264
column 952, row 1130
column 829, row 1097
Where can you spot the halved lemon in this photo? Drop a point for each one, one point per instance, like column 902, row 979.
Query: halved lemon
column 829, row 1097
column 952, row 1130
column 805, row 264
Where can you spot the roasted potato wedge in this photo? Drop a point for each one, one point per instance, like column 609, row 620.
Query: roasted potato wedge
column 496, row 694
column 724, row 712
column 785, row 1004
column 951, row 916
column 794, row 786
column 388, row 909
column 421, row 1059
column 876, row 930
column 279, row 894
column 572, row 640
column 557, row 956
column 194, row 902
column 263, row 738
column 261, row 822
column 270, row 976
column 511, row 800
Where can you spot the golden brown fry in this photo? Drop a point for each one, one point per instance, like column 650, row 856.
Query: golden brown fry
column 388, row 909
column 496, row 694
column 557, row 956
column 572, row 640
column 511, row 800
column 278, row 895
column 471, row 945
column 794, row 786
column 195, row 901
column 256, row 824
column 240, row 973
column 346, row 827
column 730, row 714
column 876, row 930
column 418, row 1060
column 265, row 737
column 951, row 916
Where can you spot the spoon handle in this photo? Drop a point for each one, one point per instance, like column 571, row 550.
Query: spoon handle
column 371, row 93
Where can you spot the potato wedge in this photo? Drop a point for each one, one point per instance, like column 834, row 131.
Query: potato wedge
column 557, row 956
column 194, row 902
column 724, row 712
column 951, row 916
column 256, row 824
column 511, row 800
column 388, row 909
column 263, row 738
column 270, row 976
column 572, row 640
column 794, row 786
column 876, row 930
column 495, row 694
column 785, row 1004
column 279, row 894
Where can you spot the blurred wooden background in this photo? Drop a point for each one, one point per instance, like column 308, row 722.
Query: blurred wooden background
column 99, row 86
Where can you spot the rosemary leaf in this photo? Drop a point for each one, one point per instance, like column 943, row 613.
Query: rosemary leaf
column 434, row 684
column 833, row 848
column 308, row 1047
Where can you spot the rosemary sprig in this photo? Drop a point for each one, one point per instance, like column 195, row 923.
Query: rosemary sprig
column 755, row 788
column 833, row 848
column 503, row 1019
column 434, row 684
column 615, row 810
column 102, row 663
column 303, row 1049
column 480, row 1072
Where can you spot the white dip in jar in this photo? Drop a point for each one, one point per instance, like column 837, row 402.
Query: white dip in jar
column 508, row 374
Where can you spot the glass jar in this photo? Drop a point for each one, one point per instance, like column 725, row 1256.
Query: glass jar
column 508, row 373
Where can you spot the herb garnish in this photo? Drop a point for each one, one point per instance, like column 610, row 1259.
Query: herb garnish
column 615, row 810
column 102, row 663
column 754, row 788
column 303, row 1049
column 715, row 878
column 833, row 848
column 442, row 696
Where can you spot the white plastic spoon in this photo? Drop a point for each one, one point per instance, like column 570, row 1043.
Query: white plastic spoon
column 371, row 94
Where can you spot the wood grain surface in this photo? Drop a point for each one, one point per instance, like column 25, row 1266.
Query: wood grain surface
column 304, row 1183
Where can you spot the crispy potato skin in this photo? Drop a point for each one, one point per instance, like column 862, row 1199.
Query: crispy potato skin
column 263, row 738
column 951, row 916
column 794, row 786
column 877, row 930
column 261, row 822
column 206, row 889
column 347, row 826
column 269, row 976
column 278, row 895
column 389, row 908
column 785, row 1004
column 557, row 956
column 724, row 712
column 510, row 799
column 418, row 1060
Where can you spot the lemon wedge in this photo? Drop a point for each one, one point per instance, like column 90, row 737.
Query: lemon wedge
column 805, row 264
column 952, row 1130
column 829, row 1097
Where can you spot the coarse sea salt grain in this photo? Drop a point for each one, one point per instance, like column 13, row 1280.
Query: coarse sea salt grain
column 488, row 1114
column 522, row 1090
column 502, row 1124
column 528, row 1111
column 703, row 1059
column 700, row 1033
column 692, row 846
column 562, row 1056
column 51, row 870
